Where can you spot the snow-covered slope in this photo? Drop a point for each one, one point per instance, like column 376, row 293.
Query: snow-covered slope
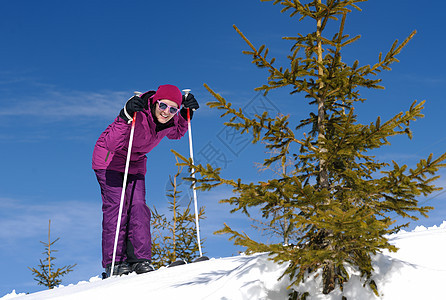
column 417, row 271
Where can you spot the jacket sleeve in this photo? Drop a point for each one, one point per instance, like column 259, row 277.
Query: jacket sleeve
column 116, row 136
column 179, row 130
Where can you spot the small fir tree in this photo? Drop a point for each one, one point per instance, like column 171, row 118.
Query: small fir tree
column 175, row 238
column 337, row 196
column 44, row 274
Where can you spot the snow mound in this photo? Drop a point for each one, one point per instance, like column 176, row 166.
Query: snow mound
column 416, row 271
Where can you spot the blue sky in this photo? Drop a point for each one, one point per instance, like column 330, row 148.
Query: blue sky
column 67, row 67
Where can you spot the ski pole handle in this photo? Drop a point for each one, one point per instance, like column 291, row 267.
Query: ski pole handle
column 186, row 92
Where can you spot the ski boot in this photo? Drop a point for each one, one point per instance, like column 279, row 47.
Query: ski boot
column 143, row 267
column 121, row 268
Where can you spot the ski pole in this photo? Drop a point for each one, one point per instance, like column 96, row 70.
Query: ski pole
column 191, row 151
column 124, row 185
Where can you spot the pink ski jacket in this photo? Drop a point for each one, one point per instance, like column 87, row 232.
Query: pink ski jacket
column 110, row 151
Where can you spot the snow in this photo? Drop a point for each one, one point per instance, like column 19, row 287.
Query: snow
column 416, row 271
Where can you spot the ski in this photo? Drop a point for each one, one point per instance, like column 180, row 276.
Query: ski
column 183, row 262
column 201, row 258
column 176, row 263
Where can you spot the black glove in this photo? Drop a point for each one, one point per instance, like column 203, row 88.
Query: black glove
column 190, row 102
column 133, row 105
column 146, row 96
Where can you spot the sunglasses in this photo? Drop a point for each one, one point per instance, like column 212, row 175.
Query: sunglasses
column 162, row 106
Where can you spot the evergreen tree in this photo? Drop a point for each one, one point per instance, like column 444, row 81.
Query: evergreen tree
column 175, row 238
column 45, row 274
column 338, row 196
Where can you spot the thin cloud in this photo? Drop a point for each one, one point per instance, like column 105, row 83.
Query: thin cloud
column 57, row 105
column 77, row 219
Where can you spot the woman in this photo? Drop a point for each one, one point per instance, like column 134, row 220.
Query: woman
column 158, row 115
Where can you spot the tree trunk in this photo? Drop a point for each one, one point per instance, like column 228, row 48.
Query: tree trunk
column 323, row 174
column 49, row 252
column 328, row 277
column 328, row 274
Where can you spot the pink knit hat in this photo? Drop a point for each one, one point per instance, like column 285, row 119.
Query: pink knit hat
column 169, row 92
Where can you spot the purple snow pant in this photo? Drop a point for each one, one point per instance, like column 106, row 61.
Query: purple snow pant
column 134, row 242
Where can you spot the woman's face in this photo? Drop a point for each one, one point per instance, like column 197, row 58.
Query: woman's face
column 164, row 116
